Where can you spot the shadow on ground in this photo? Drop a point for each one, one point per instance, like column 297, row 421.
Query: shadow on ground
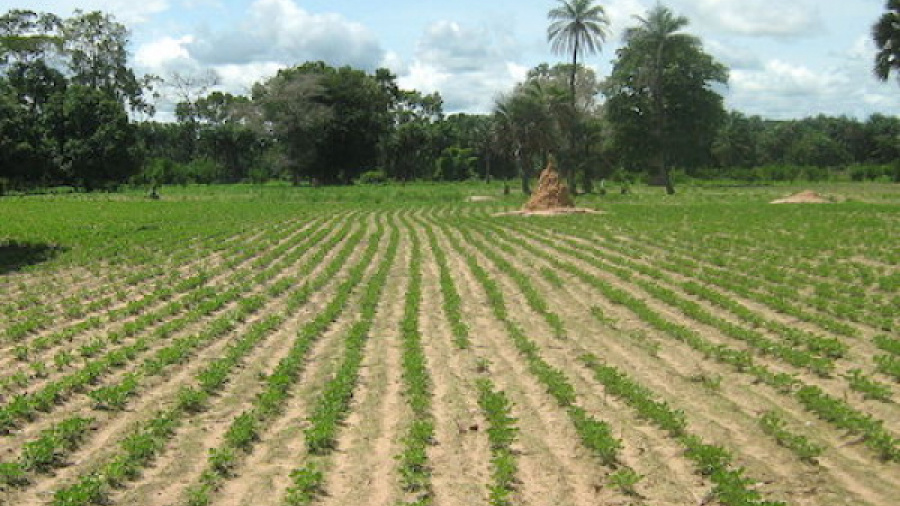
column 16, row 255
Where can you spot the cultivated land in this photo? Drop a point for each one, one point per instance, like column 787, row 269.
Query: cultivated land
column 271, row 345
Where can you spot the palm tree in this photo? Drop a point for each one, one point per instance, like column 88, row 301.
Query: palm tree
column 577, row 26
column 658, row 31
column 527, row 124
column 886, row 33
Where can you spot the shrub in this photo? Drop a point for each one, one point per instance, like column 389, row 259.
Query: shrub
column 372, row 177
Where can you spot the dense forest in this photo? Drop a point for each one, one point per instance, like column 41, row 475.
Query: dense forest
column 74, row 113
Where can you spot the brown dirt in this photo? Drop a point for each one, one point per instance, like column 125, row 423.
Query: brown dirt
column 551, row 212
column 845, row 476
column 551, row 192
column 460, row 458
column 805, row 197
column 373, row 430
column 554, row 466
column 156, row 394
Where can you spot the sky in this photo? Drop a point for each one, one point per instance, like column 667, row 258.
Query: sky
column 789, row 59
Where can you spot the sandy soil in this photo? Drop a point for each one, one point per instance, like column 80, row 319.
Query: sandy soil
column 722, row 405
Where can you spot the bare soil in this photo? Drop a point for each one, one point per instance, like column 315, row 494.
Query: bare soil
column 721, row 404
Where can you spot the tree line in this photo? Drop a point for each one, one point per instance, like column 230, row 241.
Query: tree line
column 72, row 112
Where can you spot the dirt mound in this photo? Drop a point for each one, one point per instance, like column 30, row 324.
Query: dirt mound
column 551, row 212
column 551, row 193
column 804, row 197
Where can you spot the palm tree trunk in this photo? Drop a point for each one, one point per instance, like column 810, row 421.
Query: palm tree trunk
column 660, row 123
column 523, row 173
column 573, row 127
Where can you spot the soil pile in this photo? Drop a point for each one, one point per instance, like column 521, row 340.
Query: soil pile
column 551, row 193
column 804, row 197
column 480, row 198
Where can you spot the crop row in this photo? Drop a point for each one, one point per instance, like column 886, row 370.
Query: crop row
column 819, row 350
column 825, row 347
column 93, row 301
column 415, row 473
column 502, row 431
column 732, row 487
column 595, row 434
column 26, row 406
column 835, row 291
column 814, row 399
column 452, row 302
column 334, row 402
column 151, row 436
column 116, row 395
column 193, row 291
column 245, row 430
column 819, row 353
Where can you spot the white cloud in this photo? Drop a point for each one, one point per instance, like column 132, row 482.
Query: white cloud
column 621, row 15
column 280, row 31
column 760, row 17
column 129, row 12
column 240, row 78
column 468, row 66
column 784, row 90
column 736, row 57
column 786, row 79
column 164, row 53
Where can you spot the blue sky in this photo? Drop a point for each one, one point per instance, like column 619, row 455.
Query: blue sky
column 788, row 58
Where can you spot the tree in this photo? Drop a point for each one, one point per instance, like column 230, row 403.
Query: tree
column 361, row 106
column 95, row 46
column 412, row 145
column 24, row 157
column 26, row 36
column 291, row 107
column 528, row 127
column 886, row 34
column 736, row 143
column 95, row 144
column 576, row 26
column 65, row 85
column 662, row 84
column 455, row 164
column 587, row 86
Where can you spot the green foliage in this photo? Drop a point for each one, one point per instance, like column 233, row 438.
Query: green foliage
column 338, row 392
column 774, row 425
column 48, row 451
column 455, row 164
column 625, row 479
column 90, row 490
column 12, row 474
column 660, row 100
column 502, row 433
column 307, row 483
column 372, row 177
column 868, row 386
column 413, row 460
column 884, row 34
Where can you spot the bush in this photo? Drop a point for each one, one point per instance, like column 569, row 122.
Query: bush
column 869, row 172
column 372, row 177
column 202, row 171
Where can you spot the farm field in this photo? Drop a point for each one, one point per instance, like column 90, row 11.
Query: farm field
column 401, row 345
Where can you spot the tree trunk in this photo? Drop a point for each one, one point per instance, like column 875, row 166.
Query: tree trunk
column 572, row 166
column 660, row 123
column 523, row 173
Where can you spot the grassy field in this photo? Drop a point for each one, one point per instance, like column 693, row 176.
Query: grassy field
column 269, row 345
